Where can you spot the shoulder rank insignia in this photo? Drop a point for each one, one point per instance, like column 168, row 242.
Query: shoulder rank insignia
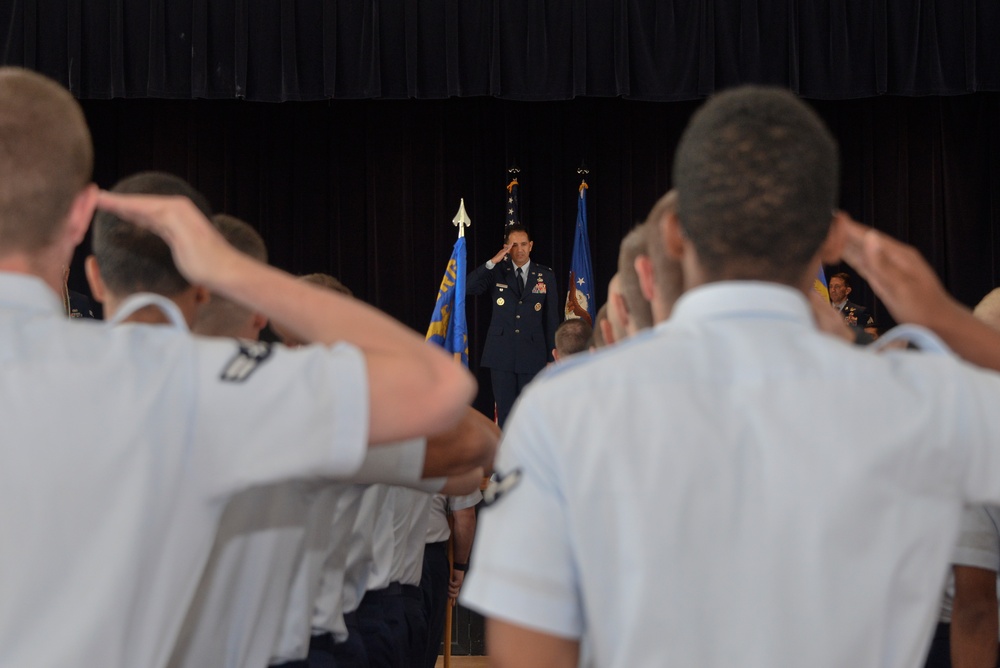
column 250, row 356
column 500, row 485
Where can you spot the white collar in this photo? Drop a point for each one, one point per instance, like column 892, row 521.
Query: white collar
column 742, row 299
column 28, row 293
column 139, row 300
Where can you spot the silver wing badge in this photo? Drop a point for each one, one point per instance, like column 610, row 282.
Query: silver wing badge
column 500, row 485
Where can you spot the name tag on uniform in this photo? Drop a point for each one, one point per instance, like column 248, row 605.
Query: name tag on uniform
column 502, row 285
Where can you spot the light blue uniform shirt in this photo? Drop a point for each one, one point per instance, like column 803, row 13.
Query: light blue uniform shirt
column 691, row 498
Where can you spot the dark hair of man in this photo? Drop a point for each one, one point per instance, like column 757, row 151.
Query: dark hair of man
column 632, row 246
column 241, row 236
column 220, row 316
column 666, row 270
column 516, row 227
column 329, row 282
column 46, row 158
column 133, row 259
column 844, row 276
column 572, row 336
column 757, row 176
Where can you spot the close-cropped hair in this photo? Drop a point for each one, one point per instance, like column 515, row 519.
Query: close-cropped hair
column 327, row 281
column 572, row 336
column 844, row 276
column 516, row 227
column 757, row 175
column 133, row 259
column 221, row 316
column 988, row 308
column 632, row 246
column 241, row 236
column 46, row 158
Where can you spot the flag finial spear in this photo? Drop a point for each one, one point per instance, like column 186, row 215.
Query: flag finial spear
column 461, row 219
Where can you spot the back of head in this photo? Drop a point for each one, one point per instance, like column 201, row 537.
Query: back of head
column 222, row 317
column 241, row 236
column 988, row 309
column 757, row 176
column 666, row 269
column 46, row 158
column 632, row 246
column 287, row 336
column 133, row 259
column 572, row 336
column 329, row 282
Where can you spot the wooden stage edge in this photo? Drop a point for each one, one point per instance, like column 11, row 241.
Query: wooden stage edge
column 465, row 662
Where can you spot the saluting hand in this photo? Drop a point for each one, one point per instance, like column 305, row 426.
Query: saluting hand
column 199, row 250
column 898, row 274
column 498, row 258
column 827, row 319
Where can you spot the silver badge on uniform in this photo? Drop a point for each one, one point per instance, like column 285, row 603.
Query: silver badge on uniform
column 250, row 356
column 500, row 485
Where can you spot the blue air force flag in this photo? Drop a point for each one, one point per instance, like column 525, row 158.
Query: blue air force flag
column 820, row 285
column 448, row 328
column 580, row 295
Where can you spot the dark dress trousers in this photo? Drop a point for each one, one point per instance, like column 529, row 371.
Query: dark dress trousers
column 522, row 331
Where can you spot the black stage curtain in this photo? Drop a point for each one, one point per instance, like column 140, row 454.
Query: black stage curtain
column 360, row 170
column 366, row 190
column 279, row 50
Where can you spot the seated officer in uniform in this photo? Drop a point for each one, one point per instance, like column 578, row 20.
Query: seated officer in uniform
column 525, row 316
column 854, row 315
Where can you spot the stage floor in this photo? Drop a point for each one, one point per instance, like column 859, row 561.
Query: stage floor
column 465, row 662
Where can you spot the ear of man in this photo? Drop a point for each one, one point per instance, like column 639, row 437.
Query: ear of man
column 258, row 322
column 81, row 212
column 644, row 269
column 93, row 271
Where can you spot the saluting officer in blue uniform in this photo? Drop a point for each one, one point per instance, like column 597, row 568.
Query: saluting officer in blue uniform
column 521, row 337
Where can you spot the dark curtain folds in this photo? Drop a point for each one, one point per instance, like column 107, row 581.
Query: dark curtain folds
column 395, row 110
column 366, row 189
column 278, row 50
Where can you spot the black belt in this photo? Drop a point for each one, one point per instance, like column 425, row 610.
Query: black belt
column 413, row 591
column 393, row 589
column 442, row 545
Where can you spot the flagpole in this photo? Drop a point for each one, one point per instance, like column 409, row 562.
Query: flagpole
column 448, row 612
column 461, row 219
